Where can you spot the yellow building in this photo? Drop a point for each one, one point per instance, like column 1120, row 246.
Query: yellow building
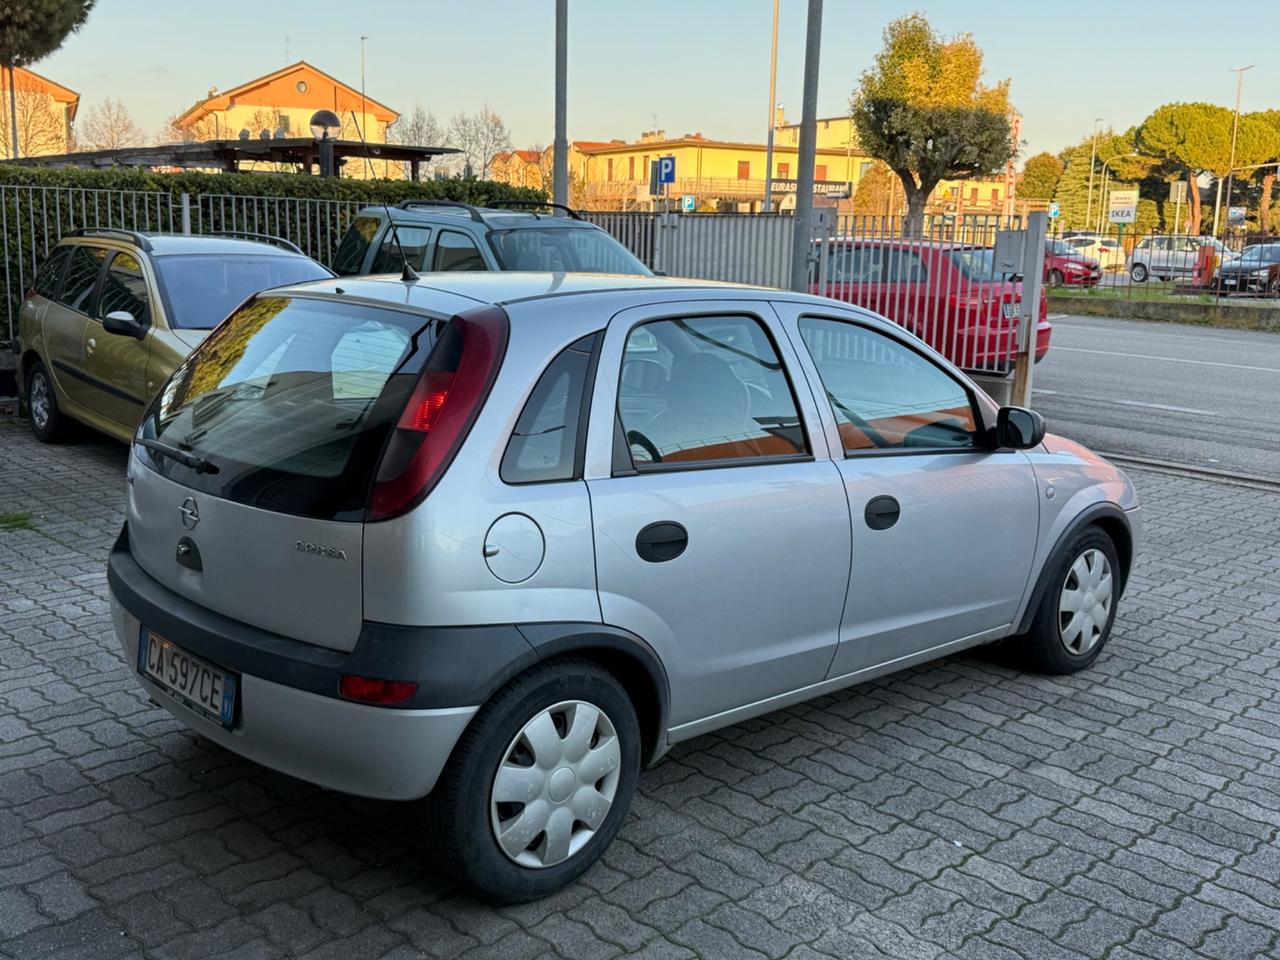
column 46, row 112
column 520, row 168
column 282, row 103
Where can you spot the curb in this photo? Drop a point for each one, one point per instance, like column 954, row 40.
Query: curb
column 1230, row 316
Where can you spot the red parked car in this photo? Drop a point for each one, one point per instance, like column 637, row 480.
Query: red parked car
column 947, row 294
column 1064, row 266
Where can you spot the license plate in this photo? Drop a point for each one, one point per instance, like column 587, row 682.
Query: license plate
column 1229, row 283
column 187, row 678
column 1012, row 310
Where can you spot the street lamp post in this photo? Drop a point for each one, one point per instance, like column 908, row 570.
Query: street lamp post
column 560, row 144
column 322, row 123
column 1235, row 128
column 773, row 84
column 1093, row 159
column 1102, row 197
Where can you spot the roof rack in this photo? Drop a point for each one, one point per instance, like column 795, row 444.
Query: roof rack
column 270, row 238
column 131, row 235
column 507, row 204
column 410, row 204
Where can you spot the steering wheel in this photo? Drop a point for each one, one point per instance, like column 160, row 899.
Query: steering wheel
column 640, row 440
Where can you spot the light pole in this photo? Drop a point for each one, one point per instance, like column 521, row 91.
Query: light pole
column 773, row 87
column 1093, row 159
column 802, row 237
column 1102, row 197
column 560, row 146
column 1235, row 128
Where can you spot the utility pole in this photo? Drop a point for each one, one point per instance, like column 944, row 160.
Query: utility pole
column 802, row 241
column 773, row 86
column 1235, row 128
column 1093, row 158
column 560, row 146
column 362, row 100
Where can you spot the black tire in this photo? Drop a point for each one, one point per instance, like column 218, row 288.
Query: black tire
column 1055, row 278
column 460, row 832
column 1138, row 274
column 47, row 422
column 1043, row 647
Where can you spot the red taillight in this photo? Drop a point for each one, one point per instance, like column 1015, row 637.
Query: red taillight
column 440, row 411
column 381, row 692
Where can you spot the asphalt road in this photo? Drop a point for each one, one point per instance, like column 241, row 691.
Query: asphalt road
column 1202, row 397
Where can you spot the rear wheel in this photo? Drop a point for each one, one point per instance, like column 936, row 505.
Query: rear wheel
column 1055, row 278
column 1074, row 618
column 47, row 421
column 539, row 785
column 1138, row 274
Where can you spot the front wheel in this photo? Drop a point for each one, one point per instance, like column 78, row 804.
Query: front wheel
column 1138, row 274
column 1074, row 618
column 539, row 784
column 1055, row 278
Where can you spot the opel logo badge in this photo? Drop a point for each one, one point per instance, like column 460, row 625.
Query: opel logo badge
column 190, row 513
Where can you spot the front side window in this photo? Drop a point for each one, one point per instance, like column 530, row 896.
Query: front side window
column 545, row 442
column 706, row 390
column 82, row 278
column 355, row 244
column 51, row 273
column 125, row 288
column 457, row 251
column 885, row 395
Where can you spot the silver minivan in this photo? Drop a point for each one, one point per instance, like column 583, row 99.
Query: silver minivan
column 500, row 540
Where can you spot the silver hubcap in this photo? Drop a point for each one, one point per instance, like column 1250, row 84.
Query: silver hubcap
column 556, row 784
column 39, row 400
column 1085, row 604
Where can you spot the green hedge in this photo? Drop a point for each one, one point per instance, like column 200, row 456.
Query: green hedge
column 38, row 205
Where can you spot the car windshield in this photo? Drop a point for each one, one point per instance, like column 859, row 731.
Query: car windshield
column 201, row 289
column 563, row 250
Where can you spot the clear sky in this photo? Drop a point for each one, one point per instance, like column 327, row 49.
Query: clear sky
column 697, row 65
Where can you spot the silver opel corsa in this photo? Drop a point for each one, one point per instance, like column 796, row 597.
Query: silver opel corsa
column 499, row 540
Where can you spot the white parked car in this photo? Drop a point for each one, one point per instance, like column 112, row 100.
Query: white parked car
column 1106, row 250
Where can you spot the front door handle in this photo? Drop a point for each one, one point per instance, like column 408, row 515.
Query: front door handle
column 662, row 541
column 882, row 512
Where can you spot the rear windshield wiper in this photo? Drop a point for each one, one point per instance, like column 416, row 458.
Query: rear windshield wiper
column 198, row 464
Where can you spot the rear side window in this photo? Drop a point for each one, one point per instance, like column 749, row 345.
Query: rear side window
column 546, row 443
column 414, row 242
column 706, row 390
column 885, row 395
column 291, row 402
column 355, row 244
column 82, row 278
column 457, row 251
column 125, row 288
column 50, row 274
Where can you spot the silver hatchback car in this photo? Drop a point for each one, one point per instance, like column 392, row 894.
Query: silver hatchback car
column 500, row 540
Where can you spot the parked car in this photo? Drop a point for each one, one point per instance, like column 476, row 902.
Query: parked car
column 111, row 313
column 1106, row 250
column 1064, row 265
column 444, row 235
column 1256, row 271
column 541, row 527
column 1169, row 258
column 945, row 293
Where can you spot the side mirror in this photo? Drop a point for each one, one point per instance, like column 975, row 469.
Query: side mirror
column 122, row 323
column 1019, row 428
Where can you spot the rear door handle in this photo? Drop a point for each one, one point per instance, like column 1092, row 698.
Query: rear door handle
column 882, row 512
column 661, row 541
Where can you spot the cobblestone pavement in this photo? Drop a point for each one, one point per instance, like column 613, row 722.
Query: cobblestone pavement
column 958, row 810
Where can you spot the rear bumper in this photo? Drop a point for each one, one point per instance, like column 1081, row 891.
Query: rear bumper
column 290, row 717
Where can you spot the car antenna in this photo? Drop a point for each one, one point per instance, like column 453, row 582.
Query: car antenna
column 407, row 273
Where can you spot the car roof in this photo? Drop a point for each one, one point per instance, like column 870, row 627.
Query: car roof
column 167, row 244
column 496, row 219
column 452, row 292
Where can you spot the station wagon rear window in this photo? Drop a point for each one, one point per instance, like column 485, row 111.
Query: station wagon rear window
column 289, row 404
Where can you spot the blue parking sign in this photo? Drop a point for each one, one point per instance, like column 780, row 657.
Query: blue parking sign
column 666, row 169
column 1054, row 210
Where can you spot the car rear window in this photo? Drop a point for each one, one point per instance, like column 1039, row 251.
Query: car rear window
column 546, row 443
column 201, row 289
column 355, row 244
column 290, row 403
column 563, row 250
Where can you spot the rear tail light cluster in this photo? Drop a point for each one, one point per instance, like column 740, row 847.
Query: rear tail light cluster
column 380, row 692
column 445, row 401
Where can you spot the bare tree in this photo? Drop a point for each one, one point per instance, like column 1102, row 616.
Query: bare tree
column 108, row 126
column 41, row 125
column 479, row 137
column 418, row 129
column 206, row 128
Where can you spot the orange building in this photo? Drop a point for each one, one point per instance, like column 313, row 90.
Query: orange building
column 46, row 112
